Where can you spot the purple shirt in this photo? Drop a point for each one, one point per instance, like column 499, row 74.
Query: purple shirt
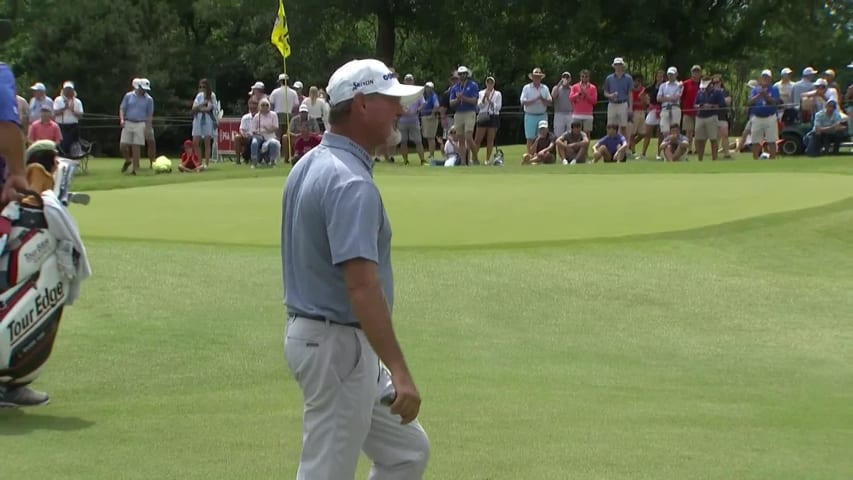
column 612, row 143
column 410, row 115
column 8, row 97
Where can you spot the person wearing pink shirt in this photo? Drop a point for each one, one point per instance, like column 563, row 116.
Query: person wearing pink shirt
column 44, row 128
column 583, row 96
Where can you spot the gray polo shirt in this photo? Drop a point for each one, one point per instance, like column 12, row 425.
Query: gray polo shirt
column 332, row 212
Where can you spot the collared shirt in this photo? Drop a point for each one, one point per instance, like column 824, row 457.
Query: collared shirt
column 283, row 97
column 530, row 92
column 690, row 88
column 332, row 212
column 562, row 102
column 822, row 120
column 246, row 125
column 670, row 89
column 8, row 97
column 469, row 90
column 137, row 108
column 66, row 117
column 761, row 108
column 798, row 89
column 612, row 143
column 430, row 104
column 410, row 113
column 296, row 124
column 715, row 98
column 620, row 85
column 36, row 105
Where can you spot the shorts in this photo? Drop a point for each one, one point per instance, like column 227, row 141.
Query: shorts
column 764, row 129
column 410, row 133
column 429, row 126
column 707, row 128
column 688, row 123
column 531, row 124
column 464, row 121
column 669, row 117
column 494, row 121
column 638, row 123
column 133, row 133
column 617, row 114
column 585, row 121
column 562, row 123
column 653, row 118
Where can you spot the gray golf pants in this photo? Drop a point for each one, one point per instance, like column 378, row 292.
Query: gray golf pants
column 341, row 381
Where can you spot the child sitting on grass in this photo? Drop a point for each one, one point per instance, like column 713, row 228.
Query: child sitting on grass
column 189, row 159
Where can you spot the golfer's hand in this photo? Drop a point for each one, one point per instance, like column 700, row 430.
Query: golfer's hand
column 15, row 184
column 407, row 404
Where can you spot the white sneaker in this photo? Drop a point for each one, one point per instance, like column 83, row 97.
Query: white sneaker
column 565, row 162
column 573, row 162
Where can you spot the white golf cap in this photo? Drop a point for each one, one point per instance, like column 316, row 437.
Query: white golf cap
column 38, row 87
column 618, row 61
column 303, row 108
column 68, row 84
column 809, row 71
column 543, row 123
column 429, row 84
column 408, row 76
column 368, row 76
column 820, row 82
column 786, row 71
column 145, row 84
column 258, row 85
column 297, row 84
column 752, row 83
column 282, row 76
column 672, row 71
column 462, row 69
column 135, row 83
column 766, row 73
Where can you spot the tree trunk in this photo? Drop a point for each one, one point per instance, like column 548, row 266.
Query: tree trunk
column 385, row 34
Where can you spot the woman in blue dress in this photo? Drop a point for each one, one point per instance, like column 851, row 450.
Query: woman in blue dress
column 204, row 120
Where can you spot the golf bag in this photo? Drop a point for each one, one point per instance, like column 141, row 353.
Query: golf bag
column 38, row 267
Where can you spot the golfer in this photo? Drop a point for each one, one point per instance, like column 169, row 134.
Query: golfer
column 339, row 291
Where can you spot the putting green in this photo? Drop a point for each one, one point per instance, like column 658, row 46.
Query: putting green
column 472, row 209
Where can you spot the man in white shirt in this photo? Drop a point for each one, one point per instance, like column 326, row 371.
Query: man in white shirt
column 68, row 109
column 243, row 140
column 283, row 100
column 669, row 98
column 785, row 86
column 535, row 99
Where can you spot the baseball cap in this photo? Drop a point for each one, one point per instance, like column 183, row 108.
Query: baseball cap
column 429, row 84
column 696, row 67
column 282, row 76
column 463, row 69
column 408, row 76
column 367, row 76
column 809, row 71
column 672, row 71
column 829, row 72
column 38, row 87
column 145, row 84
column 543, row 124
column 68, row 84
column 618, row 61
column 766, row 73
column 820, row 82
column 565, row 74
column 786, row 71
column 297, row 84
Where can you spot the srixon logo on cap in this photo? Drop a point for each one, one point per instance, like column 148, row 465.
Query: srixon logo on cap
column 388, row 76
column 361, row 84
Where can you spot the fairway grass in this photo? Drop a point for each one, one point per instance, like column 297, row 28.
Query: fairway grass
column 622, row 325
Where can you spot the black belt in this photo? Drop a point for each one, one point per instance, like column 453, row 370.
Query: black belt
column 320, row 318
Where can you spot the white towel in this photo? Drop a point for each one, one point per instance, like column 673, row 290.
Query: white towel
column 61, row 225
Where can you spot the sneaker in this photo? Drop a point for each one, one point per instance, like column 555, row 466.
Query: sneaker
column 565, row 161
column 23, row 397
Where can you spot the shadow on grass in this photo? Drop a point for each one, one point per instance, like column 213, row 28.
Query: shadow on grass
column 22, row 422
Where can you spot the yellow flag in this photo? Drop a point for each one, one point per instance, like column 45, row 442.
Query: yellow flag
column 280, row 35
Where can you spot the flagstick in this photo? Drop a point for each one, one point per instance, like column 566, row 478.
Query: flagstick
column 287, row 110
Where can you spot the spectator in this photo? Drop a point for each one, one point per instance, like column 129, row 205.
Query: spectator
column 724, row 116
column 300, row 91
column 445, row 109
column 135, row 114
column 204, row 112
column 848, row 107
column 828, row 131
column 831, row 84
column 652, row 120
column 613, row 147
column 264, row 134
column 535, row 99
column 304, row 143
column 821, row 94
column 451, row 148
column 409, row 126
column 463, row 97
column 38, row 101
column 243, row 139
column 284, row 100
column 572, row 146
column 764, row 100
column 617, row 89
column 561, row 95
column 67, row 110
column 584, row 96
column 639, row 103
column 44, row 128
column 785, row 87
column 708, row 104
column 189, row 159
column 805, row 84
column 297, row 124
column 258, row 92
column 150, row 141
column 744, row 143
column 674, row 146
column 489, row 101
column 543, row 146
column 429, row 117
column 669, row 97
column 318, row 109
column 690, row 88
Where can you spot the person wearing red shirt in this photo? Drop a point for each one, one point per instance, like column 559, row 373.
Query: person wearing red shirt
column 304, row 143
column 688, row 111
column 189, row 159
column 45, row 128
